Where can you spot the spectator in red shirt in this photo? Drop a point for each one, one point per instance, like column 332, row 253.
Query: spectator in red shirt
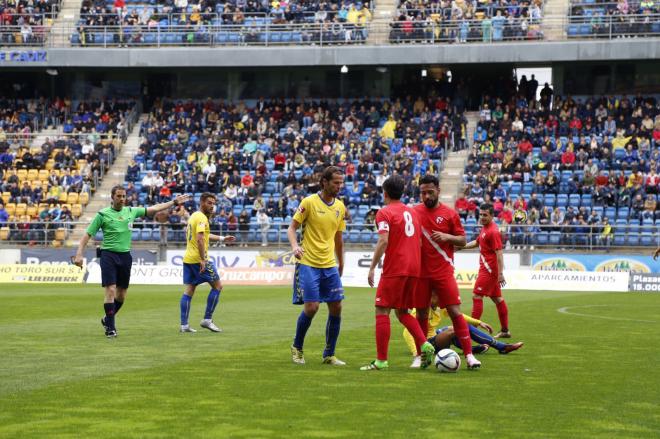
column 247, row 180
column 575, row 125
column 280, row 161
column 568, row 158
column 525, row 147
column 602, row 179
column 119, row 7
column 462, row 206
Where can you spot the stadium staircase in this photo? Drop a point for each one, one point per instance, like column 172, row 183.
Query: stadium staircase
column 65, row 23
column 451, row 177
column 115, row 175
column 554, row 13
column 383, row 14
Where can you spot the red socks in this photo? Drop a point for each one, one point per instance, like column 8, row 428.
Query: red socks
column 477, row 307
column 412, row 326
column 382, row 336
column 503, row 313
column 462, row 333
column 424, row 326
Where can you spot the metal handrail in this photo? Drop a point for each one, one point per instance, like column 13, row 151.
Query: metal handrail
column 556, row 28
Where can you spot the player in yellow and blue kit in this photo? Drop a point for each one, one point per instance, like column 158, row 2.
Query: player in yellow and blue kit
column 197, row 269
column 443, row 337
column 321, row 262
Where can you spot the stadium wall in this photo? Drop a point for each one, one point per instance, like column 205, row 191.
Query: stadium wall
column 527, row 52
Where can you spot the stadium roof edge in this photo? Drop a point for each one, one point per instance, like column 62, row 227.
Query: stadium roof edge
column 199, row 57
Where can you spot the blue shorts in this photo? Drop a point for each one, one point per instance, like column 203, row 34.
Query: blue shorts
column 192, row 276
column 312, row 284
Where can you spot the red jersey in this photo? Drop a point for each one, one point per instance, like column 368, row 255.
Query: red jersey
column 438, row 256
column 403, row 254
column 489, row 241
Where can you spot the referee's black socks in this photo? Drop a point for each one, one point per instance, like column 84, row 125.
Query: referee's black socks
column 118, row 305
column 109, row 315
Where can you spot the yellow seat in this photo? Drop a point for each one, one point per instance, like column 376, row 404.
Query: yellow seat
column 36, row 183
column 68, row 206
column 21, row 209
column 10, row 208
column 43, row 173
column 83, row 198
column 33, row 174
column 63, row 197
column 42, row 206
column 72, row 198
column 81, row 163
column 60, row 234
column 32, row 211
column 4, row 233
column 76, row 210
column 5, row 197
column 22, row 174
column 50, row 164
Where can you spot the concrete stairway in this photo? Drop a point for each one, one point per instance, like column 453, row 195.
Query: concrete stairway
column 451, row 177
column 554, row 19
column 65, row 23
column 114, row 176
column 380, row 25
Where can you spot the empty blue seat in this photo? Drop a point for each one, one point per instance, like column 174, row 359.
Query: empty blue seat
column 619, row 239
column 549, row 200
column 562, row 200
column 574, row 200
column 647, row 239
column 541, row 238
column 145, row 234
column 555, row 238
column 632, row 239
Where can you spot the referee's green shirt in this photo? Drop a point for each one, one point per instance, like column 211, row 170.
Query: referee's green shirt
column 117, row 227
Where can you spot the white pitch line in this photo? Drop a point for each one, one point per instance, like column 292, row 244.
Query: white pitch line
column 565, row 309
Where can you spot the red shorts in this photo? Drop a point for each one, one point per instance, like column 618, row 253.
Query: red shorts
column 445, row 289
column 396, row 292
column 487, row 285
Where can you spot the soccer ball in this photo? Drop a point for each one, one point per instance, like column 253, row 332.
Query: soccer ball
column 447, row 361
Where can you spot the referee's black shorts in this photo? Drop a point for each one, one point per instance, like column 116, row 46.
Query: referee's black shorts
column 116, row 268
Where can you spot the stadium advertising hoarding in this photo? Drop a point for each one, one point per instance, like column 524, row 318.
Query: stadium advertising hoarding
column 274, row 258
column 645, row 282
column 63, row 256
column 555, row 280
column 33, row 273
column 173, row 275
column 598, row 263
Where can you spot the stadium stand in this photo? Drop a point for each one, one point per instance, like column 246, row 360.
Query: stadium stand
column 613, row 19
column 25, row 22
column 462, row 21
column 218, row 23
column 45, row 185
column 269, row 155
column 585, row 171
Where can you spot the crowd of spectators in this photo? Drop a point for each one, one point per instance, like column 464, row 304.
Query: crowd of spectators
column 267, row 156
column 25, row 21
column 579, row 165
column 613, row 18
column 463, row 21
column 237, row 22
column 45, row 186
column 25, row 116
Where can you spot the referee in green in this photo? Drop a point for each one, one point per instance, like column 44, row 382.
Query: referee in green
column 116, row 222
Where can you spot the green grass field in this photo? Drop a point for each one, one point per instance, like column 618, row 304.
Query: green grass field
column 590, row 372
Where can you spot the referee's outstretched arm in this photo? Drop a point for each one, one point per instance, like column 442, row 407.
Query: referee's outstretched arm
column 118, row 199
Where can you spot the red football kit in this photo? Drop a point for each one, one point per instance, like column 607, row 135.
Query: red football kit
column 402, row 256
column 437, row 272
column 489, row 241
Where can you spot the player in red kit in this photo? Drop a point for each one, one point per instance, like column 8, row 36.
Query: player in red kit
column 491, row 265
column 441, row 231
column 399, row 240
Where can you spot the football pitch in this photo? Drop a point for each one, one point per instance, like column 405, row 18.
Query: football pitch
column 589, row 368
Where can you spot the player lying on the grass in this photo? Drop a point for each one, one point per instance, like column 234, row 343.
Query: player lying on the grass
column 444, row 337
column 197, row 268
